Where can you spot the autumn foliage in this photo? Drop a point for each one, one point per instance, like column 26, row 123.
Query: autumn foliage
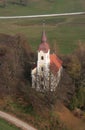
column 15, row 55
column 16, row 61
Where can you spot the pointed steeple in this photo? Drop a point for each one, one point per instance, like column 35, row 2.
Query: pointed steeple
column 43, row 38
column 44, row 46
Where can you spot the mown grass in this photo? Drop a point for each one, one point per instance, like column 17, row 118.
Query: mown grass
column 43, row 7
column 6, row 126
column 66, row 31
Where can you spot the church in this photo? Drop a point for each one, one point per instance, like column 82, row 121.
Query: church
column 47, row 72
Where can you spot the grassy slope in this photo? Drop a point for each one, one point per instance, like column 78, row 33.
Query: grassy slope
column 44, row 6
column 71, row 121
column 64, row 31
column 59, row 113
column 5, row 126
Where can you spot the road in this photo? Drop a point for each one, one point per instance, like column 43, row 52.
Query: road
column 45, row 15
column 17, row 122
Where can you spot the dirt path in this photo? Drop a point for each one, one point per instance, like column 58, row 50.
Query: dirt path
column 41, row 16
column 16, row 121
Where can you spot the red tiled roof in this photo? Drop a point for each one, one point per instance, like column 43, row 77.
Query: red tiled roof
column 55, row 63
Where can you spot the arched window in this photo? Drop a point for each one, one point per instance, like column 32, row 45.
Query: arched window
column 42, row 58
column 42, row 79
column 42, row 69
column 42, row 86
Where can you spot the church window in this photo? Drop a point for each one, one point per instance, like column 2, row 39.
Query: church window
column 41, row 68
column 0, row 63
column 42, row 86
column 42, row 58
column 35, row 84
column 42, row 79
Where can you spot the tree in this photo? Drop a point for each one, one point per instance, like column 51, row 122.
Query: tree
column 77, row 71
column 14, row 57
column 74, row 69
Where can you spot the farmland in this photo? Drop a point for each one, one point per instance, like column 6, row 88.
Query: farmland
column 66, row 31
column 43, row 7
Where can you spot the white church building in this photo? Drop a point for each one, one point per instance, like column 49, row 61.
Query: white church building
column 47, row 73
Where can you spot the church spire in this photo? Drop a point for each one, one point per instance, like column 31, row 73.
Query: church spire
column 44, row 46
column 43, row 38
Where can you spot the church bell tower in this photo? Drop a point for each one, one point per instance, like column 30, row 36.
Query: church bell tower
column 43, row 61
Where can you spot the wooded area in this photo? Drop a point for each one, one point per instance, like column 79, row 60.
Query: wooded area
column 16, row 61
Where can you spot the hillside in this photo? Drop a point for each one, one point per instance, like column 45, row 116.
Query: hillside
column 43, row 7
column 64, row 32
column 17, row 96
column 69, row 119
column 14, row 57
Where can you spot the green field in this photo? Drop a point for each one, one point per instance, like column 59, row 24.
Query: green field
column 6, row 126
column 65, row 31
column 43, row 7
